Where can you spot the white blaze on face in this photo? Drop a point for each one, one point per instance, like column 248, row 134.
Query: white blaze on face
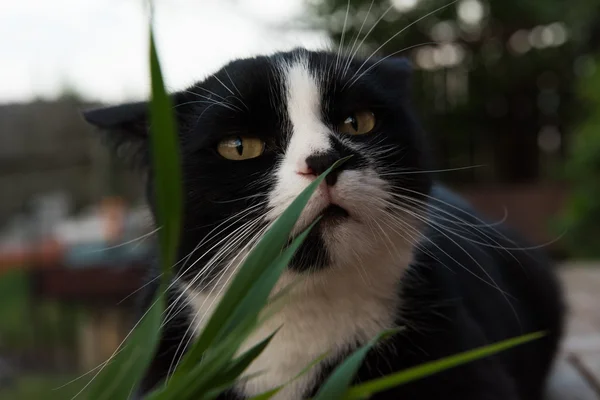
column 308, row 136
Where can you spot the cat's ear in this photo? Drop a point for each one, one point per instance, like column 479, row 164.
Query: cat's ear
column 124, row 128
column 129, row 117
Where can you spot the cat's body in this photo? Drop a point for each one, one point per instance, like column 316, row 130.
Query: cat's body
column 393, row 247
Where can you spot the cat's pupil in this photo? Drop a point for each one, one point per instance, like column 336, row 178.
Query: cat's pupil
column 352, row 121
column 239, row 145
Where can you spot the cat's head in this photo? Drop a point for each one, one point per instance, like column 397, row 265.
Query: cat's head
column 257, row 132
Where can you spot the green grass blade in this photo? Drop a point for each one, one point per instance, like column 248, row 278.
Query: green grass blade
column 118, row 379
column 166, row 165
column 259, row 259
column 364, row 390
column 239, row 364
column 236, row 368
column 341, row 378
column 267, row 395
column 257, row 296
column 193, row 379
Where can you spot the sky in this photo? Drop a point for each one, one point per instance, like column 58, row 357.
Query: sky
column 99, row 48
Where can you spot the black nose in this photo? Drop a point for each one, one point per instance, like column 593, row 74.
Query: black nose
column 319, row 163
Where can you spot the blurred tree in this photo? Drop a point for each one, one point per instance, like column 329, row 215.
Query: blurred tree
column 582, row 217
column 493, row 80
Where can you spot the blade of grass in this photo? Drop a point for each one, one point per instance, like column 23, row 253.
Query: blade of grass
column 215, row 360
column 236, row 368
column 258, row 295
column 364, row 390
column 166, row 166
column 267, row 395
column 189, row 382
column 341, row 378
column 122, row 374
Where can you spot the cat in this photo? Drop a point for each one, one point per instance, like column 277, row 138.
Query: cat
column 393, row 246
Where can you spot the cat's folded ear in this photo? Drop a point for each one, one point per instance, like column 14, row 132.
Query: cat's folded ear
column 124, row 128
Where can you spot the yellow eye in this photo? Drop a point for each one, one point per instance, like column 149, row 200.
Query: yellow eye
column 241, row 148
column 358, row 123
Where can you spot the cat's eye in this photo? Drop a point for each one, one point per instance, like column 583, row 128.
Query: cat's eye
column 358, row 123
column 240, row 148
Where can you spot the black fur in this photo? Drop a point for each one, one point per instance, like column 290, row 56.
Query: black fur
column 469, row 284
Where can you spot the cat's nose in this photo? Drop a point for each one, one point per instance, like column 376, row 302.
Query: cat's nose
column 318, row 163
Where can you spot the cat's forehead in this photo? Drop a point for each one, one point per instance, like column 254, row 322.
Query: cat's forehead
column 333, row 72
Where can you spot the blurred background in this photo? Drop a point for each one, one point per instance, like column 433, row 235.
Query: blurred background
column 509, row 91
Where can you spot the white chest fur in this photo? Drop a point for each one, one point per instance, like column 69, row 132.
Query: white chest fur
column 326, row 313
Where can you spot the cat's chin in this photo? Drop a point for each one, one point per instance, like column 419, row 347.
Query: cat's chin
column 333, row 215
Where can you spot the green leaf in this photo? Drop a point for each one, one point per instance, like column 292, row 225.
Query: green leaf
column 259, row 259
column 268, row 394
column 184, row 384
column 341, row 378
column 119, row 377
column 166, row 166
column 257, row 296
column 364, row 390
column 236, row 368
column 202, row 375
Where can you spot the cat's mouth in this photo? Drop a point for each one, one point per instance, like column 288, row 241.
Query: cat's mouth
column 334, row 214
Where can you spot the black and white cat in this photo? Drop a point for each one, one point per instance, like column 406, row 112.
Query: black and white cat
column 393, row 248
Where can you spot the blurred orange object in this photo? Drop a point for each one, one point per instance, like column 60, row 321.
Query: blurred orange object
column 113, row 210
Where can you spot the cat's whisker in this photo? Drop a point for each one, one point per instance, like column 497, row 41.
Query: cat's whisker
column 491, row 283
column 216, row 297
column 455, row 220
column 220, row 275
column 253, row 196
column 497, row 245
column 370, row 30
column 341, row 46
column 452, row 206
column 137, row 239
column 224, row 85
column 246, row 229
column 398, row 33
column 355, row 78
column 436, row 227
column 241, row 98
column 350, row 54
column 225, row 99
column 213, row 232
column 431, row 171
column 416, row 237
column 126, row 336
column 116, row 351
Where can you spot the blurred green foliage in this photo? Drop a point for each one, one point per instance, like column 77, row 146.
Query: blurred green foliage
column 14, row 297
column 581, row 220
column 50, row 323
column 46, row 387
